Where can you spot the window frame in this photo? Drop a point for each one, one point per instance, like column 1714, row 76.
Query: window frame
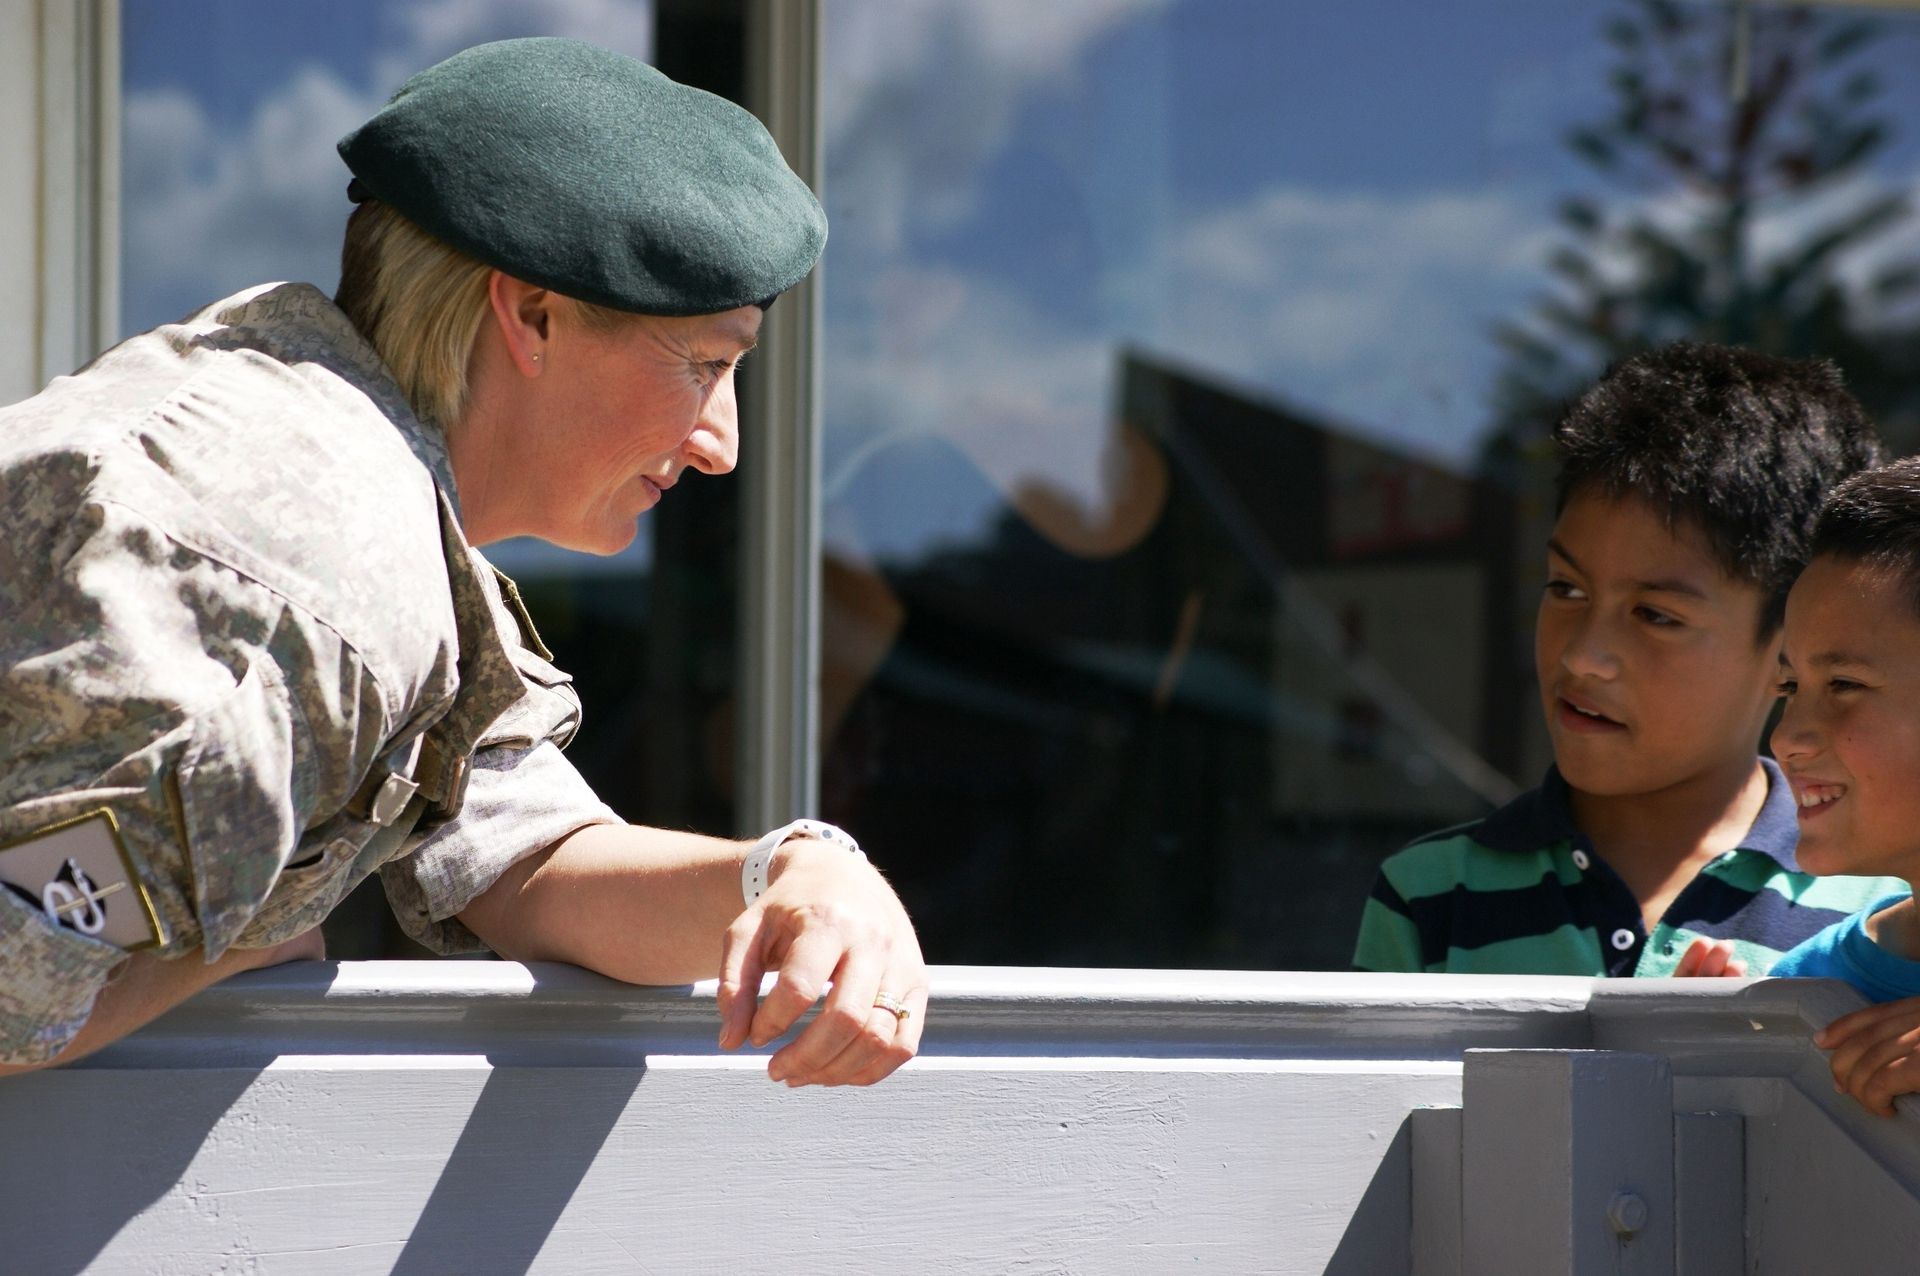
column 60, row 67
column 777, row 757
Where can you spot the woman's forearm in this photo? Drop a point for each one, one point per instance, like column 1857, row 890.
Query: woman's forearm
column 644, row 905
column 655, row 907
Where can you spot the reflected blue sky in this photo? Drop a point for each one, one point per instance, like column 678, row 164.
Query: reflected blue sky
column 1327, row 205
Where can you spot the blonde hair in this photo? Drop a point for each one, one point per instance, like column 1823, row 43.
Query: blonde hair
column 419, row 302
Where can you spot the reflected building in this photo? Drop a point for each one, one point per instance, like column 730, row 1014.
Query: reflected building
column 1193, row 748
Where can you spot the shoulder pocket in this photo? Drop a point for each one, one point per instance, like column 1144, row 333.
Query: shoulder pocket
column 548, row 711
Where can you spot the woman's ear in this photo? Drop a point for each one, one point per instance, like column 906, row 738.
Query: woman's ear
column 524, row 315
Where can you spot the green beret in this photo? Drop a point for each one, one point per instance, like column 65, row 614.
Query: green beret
column 584, row 171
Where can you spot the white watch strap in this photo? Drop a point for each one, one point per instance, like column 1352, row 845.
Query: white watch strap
column 753, row 870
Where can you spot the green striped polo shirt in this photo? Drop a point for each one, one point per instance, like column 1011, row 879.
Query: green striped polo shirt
column 1523, row 892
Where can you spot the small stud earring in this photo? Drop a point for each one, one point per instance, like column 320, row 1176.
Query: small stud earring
column 536, row 358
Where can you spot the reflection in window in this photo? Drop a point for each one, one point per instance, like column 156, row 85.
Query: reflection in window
column 1188, row 364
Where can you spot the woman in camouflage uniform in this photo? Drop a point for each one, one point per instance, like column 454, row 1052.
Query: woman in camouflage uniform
column 250, row 653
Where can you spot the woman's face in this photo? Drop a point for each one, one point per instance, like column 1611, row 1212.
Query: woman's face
column 618, row 415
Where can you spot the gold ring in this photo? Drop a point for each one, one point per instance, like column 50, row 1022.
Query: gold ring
column 893, row 1006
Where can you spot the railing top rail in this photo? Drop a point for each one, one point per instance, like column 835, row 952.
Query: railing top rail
column 554, row 1014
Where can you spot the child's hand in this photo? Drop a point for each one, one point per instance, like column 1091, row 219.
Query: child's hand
column 1876, row 1053
column 1708, row 958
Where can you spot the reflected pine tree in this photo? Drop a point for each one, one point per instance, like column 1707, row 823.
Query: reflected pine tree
column 1743, row 210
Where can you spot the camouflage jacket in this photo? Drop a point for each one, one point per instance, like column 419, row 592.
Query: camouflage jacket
column 233, row 593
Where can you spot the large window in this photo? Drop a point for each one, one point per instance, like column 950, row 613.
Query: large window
column 1188, row 367
column 1187, row 370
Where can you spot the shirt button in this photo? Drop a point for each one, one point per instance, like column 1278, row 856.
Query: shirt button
column 1623, row 939
column 1580, row 860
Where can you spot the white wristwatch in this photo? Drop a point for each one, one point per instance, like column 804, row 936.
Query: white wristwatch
column 753, row 870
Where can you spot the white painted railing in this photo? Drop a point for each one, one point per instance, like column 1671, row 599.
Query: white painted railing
column 480, row 1117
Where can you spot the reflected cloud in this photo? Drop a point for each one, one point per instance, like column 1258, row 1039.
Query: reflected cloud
column 438, row 29
column 1363, row 307
column 1360, row 309
column 878, row 46
column 951, row 81
column 1027, row 402
column 210, row 209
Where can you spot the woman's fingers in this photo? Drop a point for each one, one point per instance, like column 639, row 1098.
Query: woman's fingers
column 848, row 1021
column 854, row 1040
column 891, row 1037
column 742, row 965
column 904, row 1045
column 806, row 971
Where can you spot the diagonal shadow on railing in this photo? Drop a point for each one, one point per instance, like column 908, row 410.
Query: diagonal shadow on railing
column 532, row 1137
column 68, row 1187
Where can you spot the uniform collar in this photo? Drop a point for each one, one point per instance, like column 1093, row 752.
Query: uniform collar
column 1543, row 816
column 285, row 318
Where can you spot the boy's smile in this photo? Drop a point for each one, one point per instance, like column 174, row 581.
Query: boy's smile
column 1850, row 737
column 1652, row 670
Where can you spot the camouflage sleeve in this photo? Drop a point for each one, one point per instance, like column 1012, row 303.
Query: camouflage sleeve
column 522, row 797
column 143, row 679
column 518, row 801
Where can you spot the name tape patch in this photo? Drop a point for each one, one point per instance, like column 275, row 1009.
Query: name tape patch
column 79, row 874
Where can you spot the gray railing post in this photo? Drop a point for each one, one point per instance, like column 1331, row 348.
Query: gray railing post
column 1567, row 1163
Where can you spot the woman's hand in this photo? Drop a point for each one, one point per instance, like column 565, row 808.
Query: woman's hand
column 644, row 905
column 1876, row 1053
column 832, row 928
column 1708, row 959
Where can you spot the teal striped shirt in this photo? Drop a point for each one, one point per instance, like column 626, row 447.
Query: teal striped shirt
column 1524, row 892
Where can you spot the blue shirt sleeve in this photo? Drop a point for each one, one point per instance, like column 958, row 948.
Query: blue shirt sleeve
column 1813, row 957
column 1845, row 951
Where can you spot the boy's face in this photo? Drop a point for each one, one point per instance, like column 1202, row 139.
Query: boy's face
column 1850, row 737
column 1652, row 672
